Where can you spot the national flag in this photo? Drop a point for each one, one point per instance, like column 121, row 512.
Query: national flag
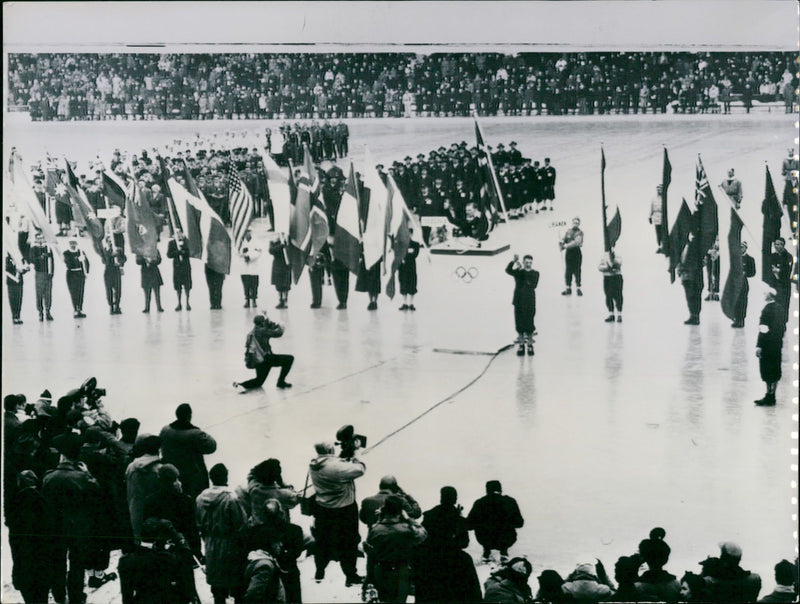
column 399, row 234
column 300, row 225
column 770, row 230
column 142, row 228
column 678, row 237
column 279, row 193
column 707, row 206
column 241, row 205
column 666, row 179
column 28, row 203
column 491, row 197
column 11, row 244
column 114, row 190
column 377, row 205
column 189, row 216
column 318, row 216
column 347, row 236
column 734, row 283
column 611, row 230
column 175, row 219
column 82, row 211
column 214, row 238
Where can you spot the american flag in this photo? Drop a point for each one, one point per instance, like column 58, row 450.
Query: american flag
column 241, row 205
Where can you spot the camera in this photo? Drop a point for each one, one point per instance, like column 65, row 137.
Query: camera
column 349, row 441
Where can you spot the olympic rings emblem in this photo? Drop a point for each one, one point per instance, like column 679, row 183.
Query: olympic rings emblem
column 467, row 275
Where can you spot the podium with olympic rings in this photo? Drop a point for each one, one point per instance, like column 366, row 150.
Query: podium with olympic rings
column 464, row 246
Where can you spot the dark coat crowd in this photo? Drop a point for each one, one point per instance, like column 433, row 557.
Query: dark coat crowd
column 78, row 485
column 274, row 86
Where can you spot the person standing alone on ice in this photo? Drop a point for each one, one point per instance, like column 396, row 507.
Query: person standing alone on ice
column 525, row 281
column 611, row 267
column 769, row 346
column 571, row 245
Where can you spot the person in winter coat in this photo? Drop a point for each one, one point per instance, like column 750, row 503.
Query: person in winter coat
column 588, row 583
column 786, row 580
column 183, row 445
column 443, row 572
column 151, row 280
column 656, row 584
column 407, row 274
column 168, row 502
column 281, row 276
column 159, row 569
column 141, row 480
column 28, row 529
column 526, row 278
column 275, row 534
column 494, row 519
column 262, row 577
column 726, row 580
column 263, row 359
column 335, row 511
column 389, row 547
column 510, row 583
column 220, row 516
column 72, row 497
column 371, row 506
column 264, row 482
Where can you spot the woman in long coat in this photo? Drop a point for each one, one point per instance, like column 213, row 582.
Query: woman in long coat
column 281, row 272
column 151, row 280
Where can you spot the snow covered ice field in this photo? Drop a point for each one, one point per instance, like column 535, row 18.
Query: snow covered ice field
column 608, row 431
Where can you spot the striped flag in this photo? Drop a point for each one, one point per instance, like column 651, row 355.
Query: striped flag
column 374, row 237
column 141, row 224
column 398, row 234
column 279, row 193
column 319, row 229
column 28, row 203
column 347, row 236
column 240, row 203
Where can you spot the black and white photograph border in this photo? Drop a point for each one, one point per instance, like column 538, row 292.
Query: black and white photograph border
column 609, row 430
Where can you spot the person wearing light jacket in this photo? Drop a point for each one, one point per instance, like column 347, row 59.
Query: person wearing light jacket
column 335, row 511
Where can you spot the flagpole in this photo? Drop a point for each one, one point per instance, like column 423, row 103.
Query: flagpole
column 491, row 169
column 606, row 242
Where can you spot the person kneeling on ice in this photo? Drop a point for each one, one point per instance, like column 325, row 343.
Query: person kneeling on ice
column 525, row 281
column 259, row 355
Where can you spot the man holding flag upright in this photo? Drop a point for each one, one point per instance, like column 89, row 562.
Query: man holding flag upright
column 611, row 263
column 346, row 249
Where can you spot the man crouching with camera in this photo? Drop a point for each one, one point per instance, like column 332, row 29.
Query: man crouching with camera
column 335, row 509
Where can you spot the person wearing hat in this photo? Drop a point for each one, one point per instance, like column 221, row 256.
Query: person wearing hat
column 141, row 479
column 335, row 511
column 389, row 546
column 281, row 276
column 548, row 181
column 781, row 263
column 740, row 304
column 220, row 518
column 495, row 518
column 77, row 267
column 510, row 582
column 733, row 188
column 611, row 268
column 769, row 346
column 72, row 502
column 183, row 444
column 44, row 267
column 114, row 259
column 656, row 216
column 588, row 583
column 169, row 502
column 259, row 355
column 726, row 580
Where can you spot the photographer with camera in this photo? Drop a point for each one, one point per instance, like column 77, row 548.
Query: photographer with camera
column 371, row 506
column 335, row 509
column 259, row 355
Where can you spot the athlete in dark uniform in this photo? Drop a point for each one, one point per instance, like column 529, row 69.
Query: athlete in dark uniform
column 525, row 281
column 178, row 250
column 769, row 346
column 77, row 268
column 114, row 259
column 571, row 243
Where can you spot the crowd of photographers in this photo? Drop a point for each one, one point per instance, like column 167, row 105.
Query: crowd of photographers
column 78, row 485
column 274, row 86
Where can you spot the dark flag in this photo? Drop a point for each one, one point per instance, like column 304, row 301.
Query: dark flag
column 735, row 281
column 83, row 209
column 707, row 206
column 771, row 229
column 491, row 198
column 611, row 230
column 113, row 190
column 141, row 224
column 191, row 228
column 666, row 178
column 678, row 237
